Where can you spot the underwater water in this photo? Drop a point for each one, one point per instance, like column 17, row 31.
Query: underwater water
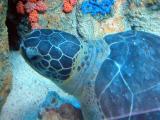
column 29, row 96
column 80, row 59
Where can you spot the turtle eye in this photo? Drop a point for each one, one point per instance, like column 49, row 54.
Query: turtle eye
column 36, row 58
column 33, row 54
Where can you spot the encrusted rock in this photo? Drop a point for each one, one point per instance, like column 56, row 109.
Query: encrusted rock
column 65, row 112
column 143, row 18
column 123, row 17
column 5, row 72
column 84, row 26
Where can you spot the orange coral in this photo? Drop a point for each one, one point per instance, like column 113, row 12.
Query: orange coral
column 41, row 6
column 33, row 17
column 20, row 8
column 31, row 8
column 67, row 6
column 33, row 1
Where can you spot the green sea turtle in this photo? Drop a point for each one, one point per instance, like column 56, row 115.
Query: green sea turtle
column 113, row 78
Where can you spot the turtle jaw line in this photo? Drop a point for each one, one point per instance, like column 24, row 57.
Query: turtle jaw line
column 74, row 83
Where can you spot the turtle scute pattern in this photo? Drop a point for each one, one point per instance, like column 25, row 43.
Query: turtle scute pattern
column 128, row 82
column 51, row 52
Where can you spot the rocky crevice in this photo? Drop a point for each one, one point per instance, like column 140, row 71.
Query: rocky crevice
column 5, row 69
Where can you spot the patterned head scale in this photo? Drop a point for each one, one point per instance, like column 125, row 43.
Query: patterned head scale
column 51, row 52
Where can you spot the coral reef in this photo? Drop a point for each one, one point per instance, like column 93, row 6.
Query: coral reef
column 33, row 16
column 95, row 7
column 20, row 7
column 5, row 70
column 31, row 8
column 68, row 5
column 86, row 26
column 73, row 2
column 81, row 25
column 93, row 29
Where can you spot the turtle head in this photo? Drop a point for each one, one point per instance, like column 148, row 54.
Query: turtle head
column 51, row 53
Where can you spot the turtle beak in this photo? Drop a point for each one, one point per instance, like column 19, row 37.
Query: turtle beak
column 23, row 52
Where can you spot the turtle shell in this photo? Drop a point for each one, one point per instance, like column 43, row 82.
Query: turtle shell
column 128, row 82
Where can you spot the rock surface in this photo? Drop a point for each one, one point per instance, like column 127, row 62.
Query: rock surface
column 5, row 71
column 29, row 91
column 55, row 107
column 144, row 17
column 65, row 112
column 84, row 26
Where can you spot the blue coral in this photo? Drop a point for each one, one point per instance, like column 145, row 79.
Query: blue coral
column 95, row 7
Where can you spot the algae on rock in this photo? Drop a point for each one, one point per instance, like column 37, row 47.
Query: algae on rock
column 5, row 71
column 143, row 18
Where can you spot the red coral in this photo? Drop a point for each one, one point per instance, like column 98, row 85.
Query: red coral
column 20, row 8
column 73, row 2
column 68, row 5
column 40, row 6
column 33, row 17
column 31, row 7
column 33, row 1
